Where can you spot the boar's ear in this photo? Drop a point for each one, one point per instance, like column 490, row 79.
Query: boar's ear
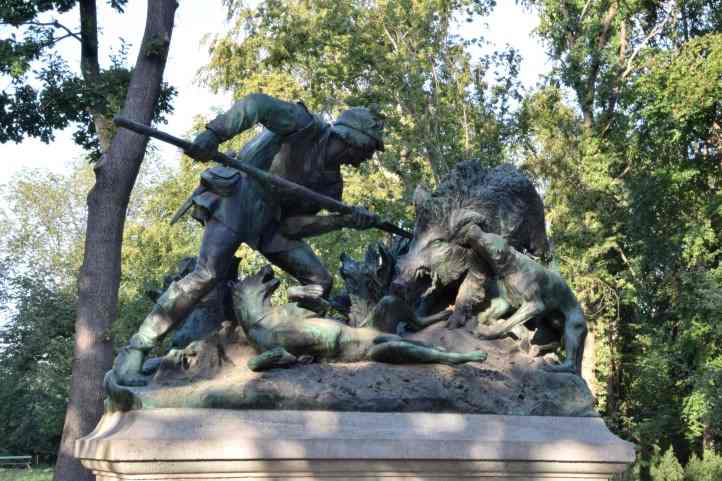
column 421, row 197
column 461, row 218
column 422, row 200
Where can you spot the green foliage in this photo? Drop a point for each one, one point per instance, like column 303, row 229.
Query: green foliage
column 702, row 408
column 44, row 218
column 632, row 176
column 666, row 467
column 708, row 468
column 42, row 236
column 671, row 171
column 35, row 366
column 36, row 474
column 44, row 93
column 42, row 249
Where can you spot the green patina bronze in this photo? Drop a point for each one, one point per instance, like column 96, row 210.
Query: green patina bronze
column 295, row 146
column 529, row 291
column 444, row 266
column 281, row 333
column 437, row 271
column 473, row 262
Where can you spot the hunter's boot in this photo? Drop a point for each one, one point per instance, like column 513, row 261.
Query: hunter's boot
column 168, row 312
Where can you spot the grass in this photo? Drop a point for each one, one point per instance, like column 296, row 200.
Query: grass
column 38, row 473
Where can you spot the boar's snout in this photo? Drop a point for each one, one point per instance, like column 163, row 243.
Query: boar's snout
column 413, row 277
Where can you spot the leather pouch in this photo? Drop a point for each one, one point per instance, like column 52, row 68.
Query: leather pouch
column 220, row 180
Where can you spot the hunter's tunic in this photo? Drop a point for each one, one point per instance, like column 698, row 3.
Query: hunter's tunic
column 292, row 145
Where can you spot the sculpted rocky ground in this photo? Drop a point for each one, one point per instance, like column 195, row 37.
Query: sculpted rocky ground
column 213, row 373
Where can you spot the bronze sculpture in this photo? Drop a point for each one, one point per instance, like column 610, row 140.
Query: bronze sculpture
column 235, row 209
column 390, row 302
column 445, row 266
column 283, row 334
column 526, row 291
column 448, row 271
column 437, row 271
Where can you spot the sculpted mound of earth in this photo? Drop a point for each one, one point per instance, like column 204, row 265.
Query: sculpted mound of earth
column 213, row 374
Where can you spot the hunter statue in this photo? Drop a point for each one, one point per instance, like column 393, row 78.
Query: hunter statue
column 235, row 208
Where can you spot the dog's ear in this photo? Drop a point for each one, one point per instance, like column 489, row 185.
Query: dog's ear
column 386, row 265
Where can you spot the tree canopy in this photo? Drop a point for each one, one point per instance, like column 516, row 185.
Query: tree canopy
column 47, row 91
column 633, row 171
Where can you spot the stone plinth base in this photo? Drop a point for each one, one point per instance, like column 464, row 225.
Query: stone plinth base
column 208, row 444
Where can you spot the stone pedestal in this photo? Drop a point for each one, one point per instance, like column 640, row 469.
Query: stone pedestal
column 205, row 444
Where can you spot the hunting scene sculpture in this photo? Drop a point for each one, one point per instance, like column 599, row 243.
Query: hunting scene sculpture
column 283, row 334
column 469, row 288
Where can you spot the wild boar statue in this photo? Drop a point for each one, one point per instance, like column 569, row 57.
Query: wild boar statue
column 437, row 271
column 500, row 288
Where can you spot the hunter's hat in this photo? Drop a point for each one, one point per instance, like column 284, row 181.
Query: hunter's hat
column 360, row 127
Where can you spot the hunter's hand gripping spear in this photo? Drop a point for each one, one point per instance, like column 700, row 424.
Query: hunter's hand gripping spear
column 262, row 176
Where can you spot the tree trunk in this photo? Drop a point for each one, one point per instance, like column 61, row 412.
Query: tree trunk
column 99, row 276
column 90, row 66
column 708, row 435
column 586, row 100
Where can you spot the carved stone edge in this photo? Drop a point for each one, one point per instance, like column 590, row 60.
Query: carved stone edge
column 202, row 444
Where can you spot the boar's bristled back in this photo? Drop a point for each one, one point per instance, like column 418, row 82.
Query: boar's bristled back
column 505, row 198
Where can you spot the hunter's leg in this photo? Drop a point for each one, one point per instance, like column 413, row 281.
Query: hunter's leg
column 217, row 249
column 300, row 261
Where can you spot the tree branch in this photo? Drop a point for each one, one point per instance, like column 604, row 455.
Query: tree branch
column 89, row 45
column 614, row 93
column 626, row 262
column 584, row 10
column 391, row 38
column 62, row 37
column 70, row 32
column 90, row 67
column 590, row 87
column 54, row 23
column 629, row 65
column 656, row 30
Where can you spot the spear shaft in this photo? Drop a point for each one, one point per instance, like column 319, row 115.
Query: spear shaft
column 262, row 176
